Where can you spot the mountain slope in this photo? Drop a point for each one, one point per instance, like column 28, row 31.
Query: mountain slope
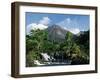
column 56, row 33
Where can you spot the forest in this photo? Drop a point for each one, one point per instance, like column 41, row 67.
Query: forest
column 43, row 49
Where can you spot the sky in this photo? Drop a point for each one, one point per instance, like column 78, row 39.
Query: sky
column 72, row 22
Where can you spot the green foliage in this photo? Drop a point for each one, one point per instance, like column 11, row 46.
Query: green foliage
column 30, row 57
column 75, row 50
column 83, row 43
column 69, row 37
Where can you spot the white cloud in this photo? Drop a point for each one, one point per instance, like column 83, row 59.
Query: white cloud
column 45, row 21
column 43, row 24
column 70, row 25
column 68, row 20
column 35, row 26
column 75, row 31
column 65, row 22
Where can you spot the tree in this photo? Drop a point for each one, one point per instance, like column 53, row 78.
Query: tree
column 75, row 51
column 30, row 57
column 76, row 55
column 83, row 42
column 68, row 43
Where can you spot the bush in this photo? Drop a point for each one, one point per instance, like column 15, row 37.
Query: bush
column 30, row 57
column 80, row 60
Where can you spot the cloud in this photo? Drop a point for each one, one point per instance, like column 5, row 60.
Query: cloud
column 42, row 24
column 68, row 20
column 45, row 21
column 75, row 31
column 35, row 26
column 70, row 25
